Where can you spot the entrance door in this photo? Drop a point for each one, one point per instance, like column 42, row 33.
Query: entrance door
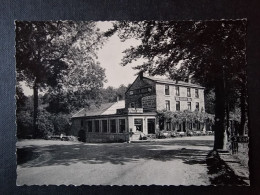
column 151, row 126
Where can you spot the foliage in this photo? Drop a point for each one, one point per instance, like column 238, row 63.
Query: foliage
column 210, row 101
column 59, row 57
column 110, row 94
column 179, row 116
column 24, row 122
column 45, row 125
column 200, row 49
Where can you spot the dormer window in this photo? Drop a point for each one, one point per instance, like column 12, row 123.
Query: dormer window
column 167, row 90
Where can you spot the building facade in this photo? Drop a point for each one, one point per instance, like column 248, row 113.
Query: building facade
column 137, row 115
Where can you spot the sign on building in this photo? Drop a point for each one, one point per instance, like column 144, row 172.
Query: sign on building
column 183, row 99
column 135, row 110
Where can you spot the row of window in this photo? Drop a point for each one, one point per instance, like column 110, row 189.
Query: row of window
column 177, row 91
column 105, row 126
column 190, row 126
column 139, row 91
column 178, row 105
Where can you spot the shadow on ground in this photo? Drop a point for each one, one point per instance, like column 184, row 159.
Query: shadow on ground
column 220, row 173
column 189, row 151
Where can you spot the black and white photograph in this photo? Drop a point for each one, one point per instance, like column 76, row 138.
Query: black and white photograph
column 132, row 103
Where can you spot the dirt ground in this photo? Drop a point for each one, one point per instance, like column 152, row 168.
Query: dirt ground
column 178, row 161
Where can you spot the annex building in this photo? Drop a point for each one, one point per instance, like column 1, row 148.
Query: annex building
column 138, row 113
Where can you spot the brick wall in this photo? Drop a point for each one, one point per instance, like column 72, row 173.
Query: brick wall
column 137, row 98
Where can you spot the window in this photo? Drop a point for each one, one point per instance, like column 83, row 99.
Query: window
column 188, row 92
column 196, row 93
column 121, row 125
column 138, row 123
column 167, row 90
column 104, row 126
column 96, row 125
column 167, row 105
column 197, row 106
column 177, row 90
column 189, row 105
column 178, row 105
column 89, row 126
column 113, row 126
column 131, row 92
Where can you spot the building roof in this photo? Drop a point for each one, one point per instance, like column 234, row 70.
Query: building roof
column 179, row 83
column 103, row 109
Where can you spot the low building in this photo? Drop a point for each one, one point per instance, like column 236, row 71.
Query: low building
column 137, row 115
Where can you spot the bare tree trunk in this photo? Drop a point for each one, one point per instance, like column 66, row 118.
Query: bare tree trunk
column 219, row 126
column 35, row 109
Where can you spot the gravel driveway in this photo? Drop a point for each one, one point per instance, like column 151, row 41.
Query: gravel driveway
column 179, row 161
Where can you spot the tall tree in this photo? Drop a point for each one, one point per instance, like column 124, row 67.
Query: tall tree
column 47, row 51
column 211, row 52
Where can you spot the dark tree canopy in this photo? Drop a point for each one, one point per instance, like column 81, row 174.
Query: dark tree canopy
column 59, row 57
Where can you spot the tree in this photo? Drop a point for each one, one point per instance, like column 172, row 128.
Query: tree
column 211, row 52
column 48, row 51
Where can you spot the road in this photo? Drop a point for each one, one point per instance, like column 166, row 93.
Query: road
column 178, row 161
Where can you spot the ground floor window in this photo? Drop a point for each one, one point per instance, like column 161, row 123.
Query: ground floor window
column 121, row 125
column 89, row 125
column 138, row 123
column 113, row 126
column 104, row 126
column 96, row 125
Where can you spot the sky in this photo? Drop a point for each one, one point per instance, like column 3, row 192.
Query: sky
column 110, row 56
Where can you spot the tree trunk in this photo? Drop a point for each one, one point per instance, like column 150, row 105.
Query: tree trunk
column 227, row 120
column 219, row 126
column 243, row 111
column 35, row 109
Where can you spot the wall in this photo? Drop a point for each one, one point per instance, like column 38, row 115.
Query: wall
column 137, row 98
column 161, row 98
column 100, row 136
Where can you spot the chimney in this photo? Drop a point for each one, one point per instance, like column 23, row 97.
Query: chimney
column 141, row 74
